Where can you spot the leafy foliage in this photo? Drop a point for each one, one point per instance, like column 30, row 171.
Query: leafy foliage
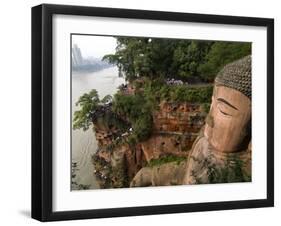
column 139, row 114
column 143, row 57
column 188, row 60
column 89, row 104
column 158, row 90
column 220, row 54
column 188, row 56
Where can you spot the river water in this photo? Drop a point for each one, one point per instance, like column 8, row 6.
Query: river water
column 84, row 144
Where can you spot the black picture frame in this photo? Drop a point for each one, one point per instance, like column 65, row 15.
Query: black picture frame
column 42, row 111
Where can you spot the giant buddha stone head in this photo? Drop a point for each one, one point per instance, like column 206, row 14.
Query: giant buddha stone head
column 228, row 125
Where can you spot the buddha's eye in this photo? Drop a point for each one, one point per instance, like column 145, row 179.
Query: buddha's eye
column 225, row 109
column 224, row 112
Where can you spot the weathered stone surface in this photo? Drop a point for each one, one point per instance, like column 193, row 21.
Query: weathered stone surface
column 181, row 118
column 175, row 127
column 171, row 173
column 207, row 165
column 167, row 144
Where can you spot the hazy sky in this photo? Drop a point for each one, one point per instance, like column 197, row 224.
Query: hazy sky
column 94, row 46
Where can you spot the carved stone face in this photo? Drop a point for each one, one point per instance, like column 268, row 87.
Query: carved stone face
column 228, row 123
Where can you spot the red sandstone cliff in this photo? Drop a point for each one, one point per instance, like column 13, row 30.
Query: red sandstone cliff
column 175, row 127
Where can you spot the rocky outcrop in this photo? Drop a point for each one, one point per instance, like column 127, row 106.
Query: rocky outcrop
column 171, row 173
column 175, row 127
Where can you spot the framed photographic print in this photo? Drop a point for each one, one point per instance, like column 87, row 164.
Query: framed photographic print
column 146, row 112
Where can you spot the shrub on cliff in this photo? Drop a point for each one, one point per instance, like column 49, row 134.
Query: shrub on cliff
column 88, row 103
column 137, row 111
column 165, row 159
column 129, row 106
column 143, row 127
column 91, row 108
column 191, row 94
column 157, row 90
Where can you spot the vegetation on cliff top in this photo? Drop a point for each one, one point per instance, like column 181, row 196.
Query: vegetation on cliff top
column 158, row 90
column 188, row 60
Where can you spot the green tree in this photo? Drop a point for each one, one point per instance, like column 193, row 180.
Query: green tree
column 188, row 56
column 220, row 54
column 137, row 111
column 89, row 103
column 189, row 60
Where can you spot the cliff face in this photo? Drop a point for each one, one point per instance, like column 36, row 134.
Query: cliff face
column 175, row 127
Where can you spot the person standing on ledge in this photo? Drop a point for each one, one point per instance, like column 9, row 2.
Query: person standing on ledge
column 222, row 151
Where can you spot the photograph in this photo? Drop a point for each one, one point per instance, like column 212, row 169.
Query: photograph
column 149, row 111
column 141, row 112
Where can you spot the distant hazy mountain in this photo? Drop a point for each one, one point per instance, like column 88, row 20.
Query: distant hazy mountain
column 90, row 64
